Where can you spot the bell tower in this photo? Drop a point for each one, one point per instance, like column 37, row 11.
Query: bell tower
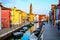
column 31, row 8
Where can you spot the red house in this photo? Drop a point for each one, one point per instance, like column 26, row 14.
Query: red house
column 5, row 17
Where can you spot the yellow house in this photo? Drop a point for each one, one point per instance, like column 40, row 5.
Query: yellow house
column 19, row 11
column 31, row 17
column 23, row 15
column 14, row 17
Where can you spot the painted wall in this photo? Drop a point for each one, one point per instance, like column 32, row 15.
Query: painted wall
column 5, row 18
column 54, row 11
column 20, row 21
column 23, row 16
column 57, row 12
column 31, row 17
column 15, row 16
column 40, row 17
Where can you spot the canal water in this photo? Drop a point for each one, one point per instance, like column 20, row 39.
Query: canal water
column 28, row 35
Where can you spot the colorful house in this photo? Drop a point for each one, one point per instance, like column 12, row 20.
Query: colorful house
column 24, row 16
column 17, row 16
column 31, row 17
column 5, row 17
column 42, row 17
column 14, row 17
column 58, row 17
column 54, row 12
column 19, row 11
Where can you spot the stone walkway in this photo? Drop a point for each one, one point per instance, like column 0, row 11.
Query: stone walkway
column 50, row 33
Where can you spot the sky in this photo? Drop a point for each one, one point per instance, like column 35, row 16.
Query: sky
column 39, row 6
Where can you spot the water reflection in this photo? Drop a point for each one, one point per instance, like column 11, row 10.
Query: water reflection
column 26, row 35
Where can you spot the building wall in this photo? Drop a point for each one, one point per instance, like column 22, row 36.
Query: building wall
column 31, row 17
column 5, row 18
column 20, row 21
column 54, row 11
column 23, row 16
column 36, row 17
column 57, row 12
column 42, row 17
column 15, row 16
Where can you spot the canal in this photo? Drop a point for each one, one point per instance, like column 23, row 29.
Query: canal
column 30, row 33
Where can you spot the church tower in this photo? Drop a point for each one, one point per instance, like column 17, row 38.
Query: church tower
column 31, row 8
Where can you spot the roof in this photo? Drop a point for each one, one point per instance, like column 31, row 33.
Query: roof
column 3, row 8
